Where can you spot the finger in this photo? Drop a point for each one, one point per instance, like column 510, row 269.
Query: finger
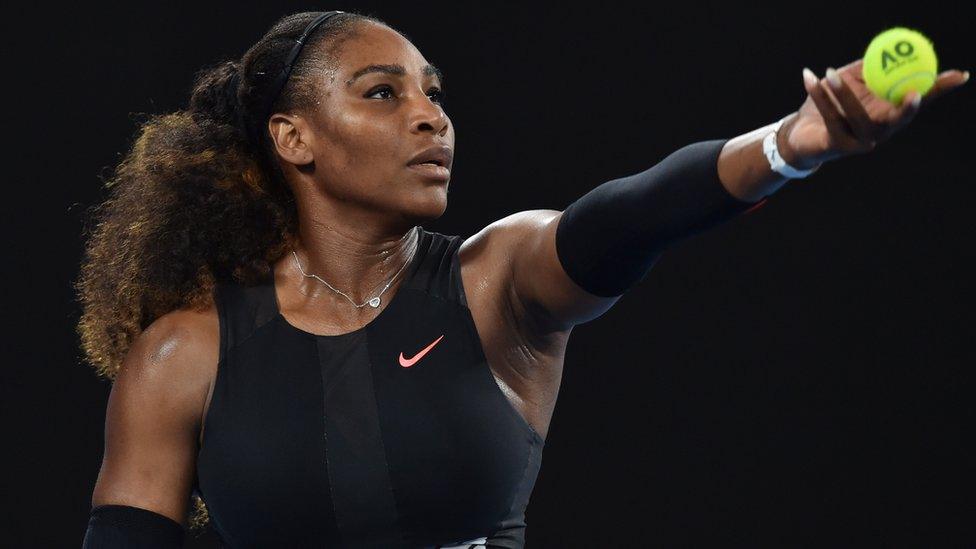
column 833, row 98
column 831, row 116
column 945, row 82
column 904, row 113
column 853, row 68
column 858, row 118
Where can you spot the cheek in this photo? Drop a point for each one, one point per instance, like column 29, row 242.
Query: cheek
column 365, row 141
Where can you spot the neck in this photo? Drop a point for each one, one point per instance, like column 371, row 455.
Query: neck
column 356, row 262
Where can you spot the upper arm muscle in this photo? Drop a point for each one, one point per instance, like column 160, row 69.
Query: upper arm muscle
column 154, row 412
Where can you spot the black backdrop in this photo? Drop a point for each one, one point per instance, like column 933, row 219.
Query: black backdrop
column 800, row 375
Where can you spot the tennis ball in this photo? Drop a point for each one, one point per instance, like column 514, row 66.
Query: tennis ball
column 897, row 61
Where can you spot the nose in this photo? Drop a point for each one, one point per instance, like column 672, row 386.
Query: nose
column 427, row 116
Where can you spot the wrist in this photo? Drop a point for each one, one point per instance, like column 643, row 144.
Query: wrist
column 786, row 150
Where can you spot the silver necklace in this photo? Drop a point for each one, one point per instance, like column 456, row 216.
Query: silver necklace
column 373, row 302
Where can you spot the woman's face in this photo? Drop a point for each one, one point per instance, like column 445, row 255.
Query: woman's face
column 377, row 111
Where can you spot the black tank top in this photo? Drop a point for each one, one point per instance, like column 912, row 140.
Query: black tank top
column 364, row 439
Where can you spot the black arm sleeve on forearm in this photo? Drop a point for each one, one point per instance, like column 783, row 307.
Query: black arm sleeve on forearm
column 609, row 238
column 122, row 526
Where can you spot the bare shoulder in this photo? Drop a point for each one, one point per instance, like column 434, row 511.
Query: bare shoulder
column 491, row 247
column 519, row 252
column 512, row 227
column 154, row 412
column 487, row 257
column 177, row 352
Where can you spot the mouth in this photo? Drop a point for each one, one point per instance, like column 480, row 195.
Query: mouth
column 431, row 170
column 434, row 162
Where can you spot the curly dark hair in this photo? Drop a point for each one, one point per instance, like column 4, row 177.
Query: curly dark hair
column 196, row 201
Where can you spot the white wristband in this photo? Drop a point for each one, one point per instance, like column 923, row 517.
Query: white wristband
column 776, row 161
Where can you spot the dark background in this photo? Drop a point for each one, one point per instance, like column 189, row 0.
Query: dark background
column 798, row 376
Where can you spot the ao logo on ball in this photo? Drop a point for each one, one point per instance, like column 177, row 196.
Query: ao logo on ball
column 903, row 50
column 898, row 61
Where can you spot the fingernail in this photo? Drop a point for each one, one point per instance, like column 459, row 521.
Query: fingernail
column 833, row 78
column 916, row 100
column 809, row 77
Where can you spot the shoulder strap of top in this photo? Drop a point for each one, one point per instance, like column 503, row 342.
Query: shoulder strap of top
column 456, row 284
column 439, row 273
column 242, row 310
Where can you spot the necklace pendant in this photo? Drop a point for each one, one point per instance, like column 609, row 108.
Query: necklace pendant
column 375, row 302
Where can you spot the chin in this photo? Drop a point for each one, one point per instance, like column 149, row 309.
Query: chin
column 426, row 205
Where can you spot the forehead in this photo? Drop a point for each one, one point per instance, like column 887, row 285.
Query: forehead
column 378, row 44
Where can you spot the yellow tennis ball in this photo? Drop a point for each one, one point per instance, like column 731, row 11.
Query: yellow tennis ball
column 897, row 61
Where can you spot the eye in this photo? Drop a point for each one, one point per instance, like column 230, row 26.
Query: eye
column 381, row 89
column 437, row 95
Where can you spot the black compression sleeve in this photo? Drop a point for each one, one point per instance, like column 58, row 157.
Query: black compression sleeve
column 121, row 526
column 609, row 238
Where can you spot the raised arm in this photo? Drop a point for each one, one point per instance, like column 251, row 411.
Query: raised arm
column 152, row 421
column 570, row 267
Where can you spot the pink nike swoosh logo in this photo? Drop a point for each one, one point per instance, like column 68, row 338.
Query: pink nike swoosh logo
column 406, row 363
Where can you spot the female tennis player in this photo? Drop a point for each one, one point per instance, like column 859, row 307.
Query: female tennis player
column 297, row 360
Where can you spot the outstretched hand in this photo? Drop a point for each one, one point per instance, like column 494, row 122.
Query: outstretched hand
column 841, row 117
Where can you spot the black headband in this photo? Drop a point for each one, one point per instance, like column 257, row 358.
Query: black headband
column 279, row 83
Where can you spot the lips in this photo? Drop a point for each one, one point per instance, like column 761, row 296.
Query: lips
column 434, row 162
column 431, row 171
column 438, row 155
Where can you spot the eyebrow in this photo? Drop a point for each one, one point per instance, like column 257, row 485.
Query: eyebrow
column 394, row 69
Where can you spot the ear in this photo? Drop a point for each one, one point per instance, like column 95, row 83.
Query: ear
column 290, row 135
